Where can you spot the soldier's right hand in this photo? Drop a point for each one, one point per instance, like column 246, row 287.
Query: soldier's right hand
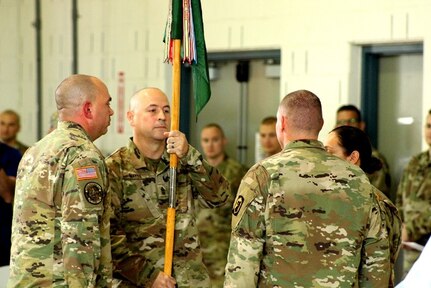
column 164, row 281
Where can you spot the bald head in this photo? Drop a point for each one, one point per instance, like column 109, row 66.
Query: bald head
column 74, row 91
column 85, row 100
column 144, row 95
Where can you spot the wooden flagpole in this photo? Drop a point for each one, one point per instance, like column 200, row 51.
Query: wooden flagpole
column 175, row 111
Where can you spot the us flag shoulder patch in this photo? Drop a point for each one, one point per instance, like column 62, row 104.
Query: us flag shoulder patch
column 85, row 173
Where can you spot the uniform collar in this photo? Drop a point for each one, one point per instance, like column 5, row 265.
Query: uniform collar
column 66, row 125
column 304, row 143
column 138, row 160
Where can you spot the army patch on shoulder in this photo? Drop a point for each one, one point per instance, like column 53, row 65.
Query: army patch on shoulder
column 86, row 173
column 237, row 206
column 93, row 193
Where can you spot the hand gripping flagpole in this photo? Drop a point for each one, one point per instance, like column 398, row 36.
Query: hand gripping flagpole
column 184, row 28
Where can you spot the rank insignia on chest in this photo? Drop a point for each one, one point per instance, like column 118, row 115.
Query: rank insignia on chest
column 93, row 193
column 86, row 173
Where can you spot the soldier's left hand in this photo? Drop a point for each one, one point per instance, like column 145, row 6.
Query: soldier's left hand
column 177, row 143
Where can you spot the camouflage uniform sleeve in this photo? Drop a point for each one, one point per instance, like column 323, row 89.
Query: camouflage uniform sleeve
column 212, row 187
column 83, row 195
column 402, row 186
column 393, row 225
column 375, row 258
column 127, row 264
column 248, row 230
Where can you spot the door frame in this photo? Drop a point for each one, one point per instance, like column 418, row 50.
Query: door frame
column 370, row 79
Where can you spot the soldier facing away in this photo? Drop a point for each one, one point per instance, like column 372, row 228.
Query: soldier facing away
column 139, row 181
column 60, row 232
column 303, row 217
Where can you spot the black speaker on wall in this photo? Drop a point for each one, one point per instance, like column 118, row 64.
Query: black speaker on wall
column 242, row 71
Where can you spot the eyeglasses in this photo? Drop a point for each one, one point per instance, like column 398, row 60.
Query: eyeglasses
column 347, row 121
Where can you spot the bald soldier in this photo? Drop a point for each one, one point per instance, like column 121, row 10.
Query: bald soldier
column 60, row 233
column 303, row 217
column 139, row 181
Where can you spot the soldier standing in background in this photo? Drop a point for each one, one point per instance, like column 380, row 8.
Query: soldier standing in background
column 60, row 233
column 139, row 181
column 414, row 200
column 10, row 124
column 349, row 115
column 268, row 136
column 214, row 225
column 304, row 217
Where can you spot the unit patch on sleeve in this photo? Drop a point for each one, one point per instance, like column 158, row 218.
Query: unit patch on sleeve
column 86, row 173
column 237, row 206
column 93, row 193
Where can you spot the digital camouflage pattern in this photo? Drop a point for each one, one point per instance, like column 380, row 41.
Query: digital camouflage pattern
column 393, row 223
column 381, row 178
column 214, row 225
column 305, row 218
column 60, row 232
column 414, row 202
column 140, row 189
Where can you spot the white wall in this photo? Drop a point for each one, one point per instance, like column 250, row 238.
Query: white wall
column 318, row 40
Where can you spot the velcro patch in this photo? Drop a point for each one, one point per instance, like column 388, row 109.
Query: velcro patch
column 93, row 193
column 242, row 201
column 86, row 173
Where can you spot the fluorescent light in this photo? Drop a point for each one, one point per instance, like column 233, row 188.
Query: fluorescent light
column 405, row 120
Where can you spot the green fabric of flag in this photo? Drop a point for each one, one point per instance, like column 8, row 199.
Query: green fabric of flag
column 200, row 74
column 177, row 19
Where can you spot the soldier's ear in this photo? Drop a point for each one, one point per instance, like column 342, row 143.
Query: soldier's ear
column 354, row 158
column 130, row 117
column 86, row 110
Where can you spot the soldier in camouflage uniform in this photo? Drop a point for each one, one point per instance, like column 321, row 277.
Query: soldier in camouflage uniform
column 60, row 233
column 414, row 199
column 139, row 181
column 349, row 115
column 306, row 218
column 214, row 224
column 353, row 145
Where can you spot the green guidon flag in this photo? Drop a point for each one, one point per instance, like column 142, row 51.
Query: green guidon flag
column 185, row 22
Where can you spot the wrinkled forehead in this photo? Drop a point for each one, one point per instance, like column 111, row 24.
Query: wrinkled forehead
column 148, row 98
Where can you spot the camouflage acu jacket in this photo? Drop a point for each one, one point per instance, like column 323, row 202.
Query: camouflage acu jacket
column 140, row 199
column 305, row 218
column 414, row 197
column 381, row 178
column 60, row 233
column 214, row 225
